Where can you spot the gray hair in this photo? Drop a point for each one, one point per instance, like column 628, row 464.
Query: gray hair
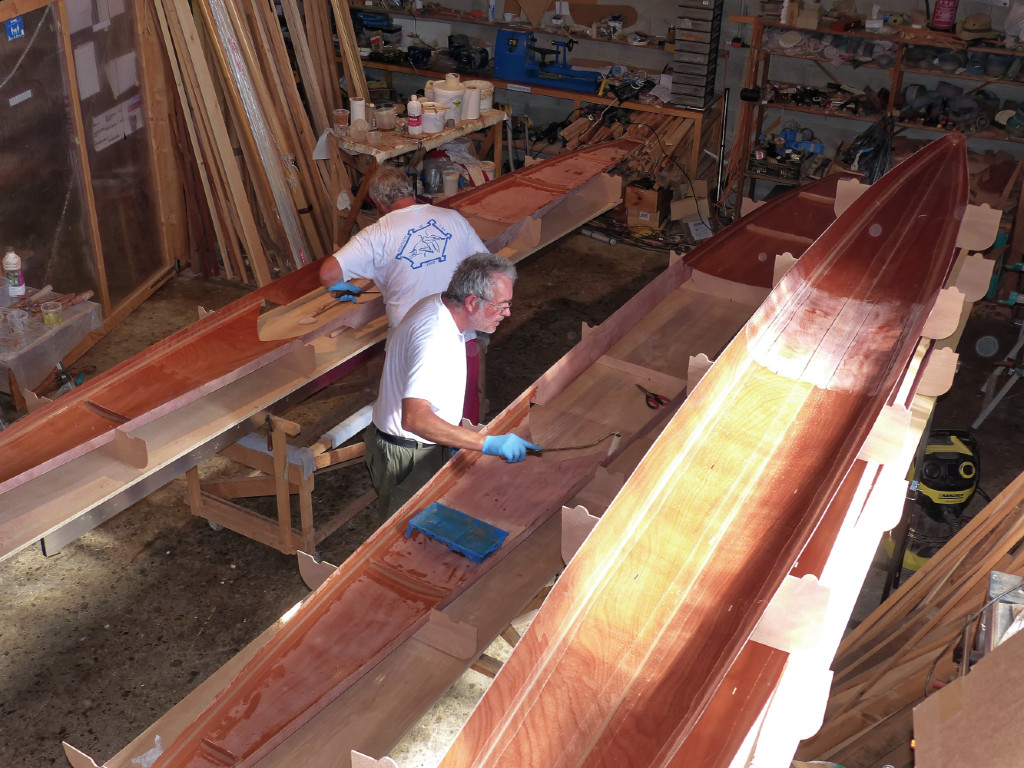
column 475, row 277
column 389, row 185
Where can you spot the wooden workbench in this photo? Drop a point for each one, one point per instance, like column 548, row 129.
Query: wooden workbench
column 365, row 157
column 705, row 122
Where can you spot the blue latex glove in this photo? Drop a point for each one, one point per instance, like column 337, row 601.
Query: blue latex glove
column 511, row 448
column 344, row 291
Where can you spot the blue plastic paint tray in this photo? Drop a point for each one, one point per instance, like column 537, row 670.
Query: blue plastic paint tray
column 464, row 534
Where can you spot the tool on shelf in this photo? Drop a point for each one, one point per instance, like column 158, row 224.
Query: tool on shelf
column 518, row 57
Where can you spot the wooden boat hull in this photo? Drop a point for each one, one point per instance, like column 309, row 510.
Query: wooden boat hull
column 386, row 590
column 226, row 345
column 641, row 629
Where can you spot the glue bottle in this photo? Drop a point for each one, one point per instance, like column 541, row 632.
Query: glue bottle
column 415, row 113
column 13, row 275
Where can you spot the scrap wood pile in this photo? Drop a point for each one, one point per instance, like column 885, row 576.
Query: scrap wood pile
column 883, row 667
column 666, row 143
column 251, row 138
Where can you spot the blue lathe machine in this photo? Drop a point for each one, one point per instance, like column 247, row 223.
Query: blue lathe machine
column 517, row 57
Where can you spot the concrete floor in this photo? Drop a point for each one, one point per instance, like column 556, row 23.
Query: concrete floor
column 100, row 639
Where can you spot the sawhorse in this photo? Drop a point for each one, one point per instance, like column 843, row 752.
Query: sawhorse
column 280, row 471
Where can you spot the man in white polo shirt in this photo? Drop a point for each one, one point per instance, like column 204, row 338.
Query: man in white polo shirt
column 419, row 407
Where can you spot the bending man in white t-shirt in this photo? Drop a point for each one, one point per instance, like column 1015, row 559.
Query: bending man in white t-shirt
column 410, row 252
column 419, row 407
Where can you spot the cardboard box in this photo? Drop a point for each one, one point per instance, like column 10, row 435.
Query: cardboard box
column 649, row 200
column 638, row 218
column 975, row 719
column 690, row 207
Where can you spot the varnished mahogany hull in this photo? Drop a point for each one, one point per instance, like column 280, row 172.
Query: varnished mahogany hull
column 653, row 611
column 224, row 345
column 171, row 373
column 384, row 592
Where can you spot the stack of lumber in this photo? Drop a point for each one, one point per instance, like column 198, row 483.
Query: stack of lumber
column 666, row 142
column 248, row 127
column 884, row 667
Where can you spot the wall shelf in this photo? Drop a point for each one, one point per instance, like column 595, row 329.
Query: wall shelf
column 894, row 78
column 706, row 122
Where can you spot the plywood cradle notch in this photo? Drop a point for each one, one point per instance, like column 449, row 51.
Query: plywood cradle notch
column 979, row 227
column 359, row 760
column 129, row 450
column 783, row 263
column 699, row 365
column 938, row 372
column 313, row 572
column 944, row 317
column 795, row 617
column 887, row 436
column 577, row 523
column 974, row 272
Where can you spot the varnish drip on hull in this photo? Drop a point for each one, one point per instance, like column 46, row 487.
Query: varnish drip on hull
column 648, row 619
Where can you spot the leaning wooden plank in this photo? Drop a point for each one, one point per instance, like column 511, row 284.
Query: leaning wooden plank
column 355, row 78
column 721, row 506
column 308, row 73
column 257, row 124
column 201, row 95
column 302, row 138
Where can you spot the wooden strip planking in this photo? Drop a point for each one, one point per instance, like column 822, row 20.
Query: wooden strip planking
column 202, row 94
column 302, row 140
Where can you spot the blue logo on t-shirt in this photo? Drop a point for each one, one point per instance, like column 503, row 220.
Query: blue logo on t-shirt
column 424, row 245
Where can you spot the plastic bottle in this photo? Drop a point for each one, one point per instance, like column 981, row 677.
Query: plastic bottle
column 415, row 113
column 13, row 275
column 944, row 15
column 490, row 10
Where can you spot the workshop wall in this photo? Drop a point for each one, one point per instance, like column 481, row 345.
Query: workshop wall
column 654, row 19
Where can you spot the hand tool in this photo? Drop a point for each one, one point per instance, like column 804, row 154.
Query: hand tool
column 611, row 449
column 653, row 400
column 340, row 297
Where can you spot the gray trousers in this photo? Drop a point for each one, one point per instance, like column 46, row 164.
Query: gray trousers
column 398, row 471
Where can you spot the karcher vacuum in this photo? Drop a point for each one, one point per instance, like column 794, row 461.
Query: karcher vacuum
column 949, row 475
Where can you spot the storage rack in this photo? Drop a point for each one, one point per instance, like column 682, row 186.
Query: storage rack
column 752, row 114
column 694, row 64
column 696, row 47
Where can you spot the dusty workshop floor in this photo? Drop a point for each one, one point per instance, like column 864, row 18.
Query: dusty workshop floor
column 100, row 639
